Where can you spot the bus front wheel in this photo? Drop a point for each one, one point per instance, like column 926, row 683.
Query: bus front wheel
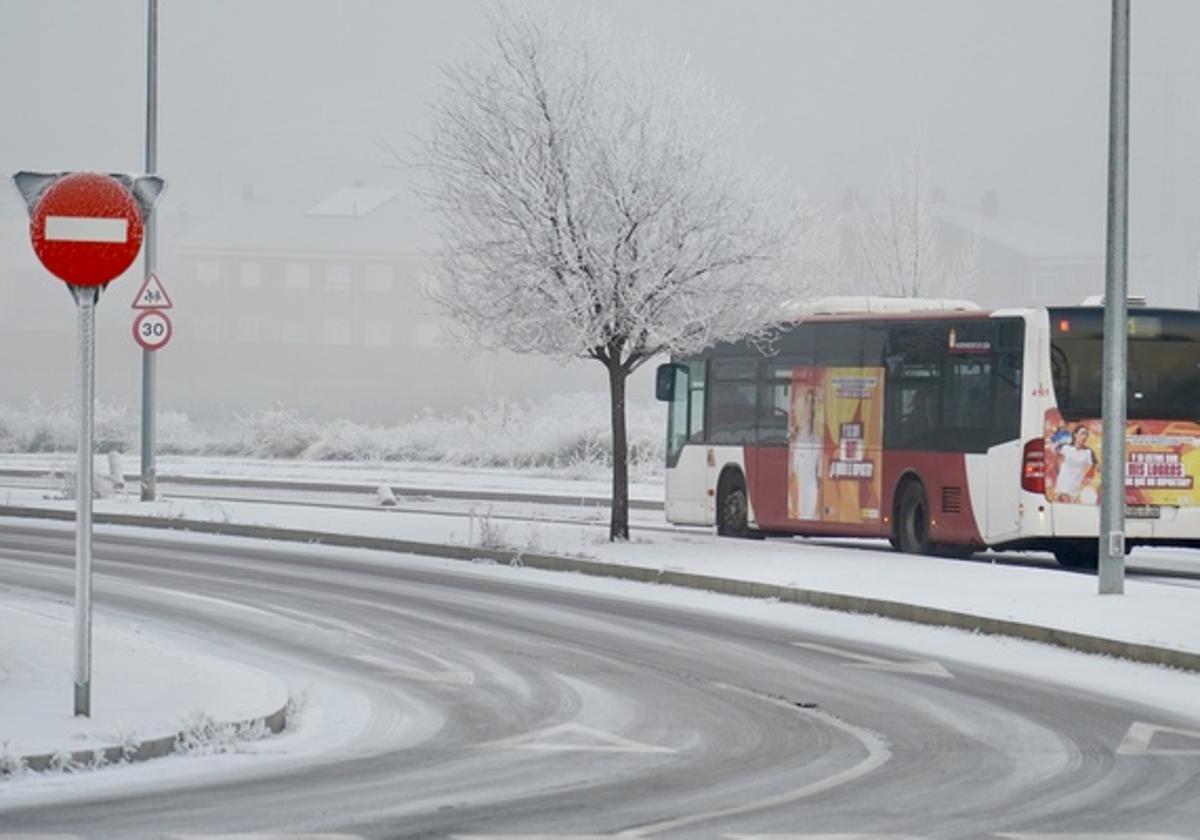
column 733, row 508
column 912, row 521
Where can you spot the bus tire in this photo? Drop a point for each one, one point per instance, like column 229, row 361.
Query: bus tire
column 733, row 507
column 1082, row 555
column 912, row 521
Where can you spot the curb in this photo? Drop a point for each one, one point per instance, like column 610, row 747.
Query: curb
column 275, row 723
column 913, row 613
column 367, row 489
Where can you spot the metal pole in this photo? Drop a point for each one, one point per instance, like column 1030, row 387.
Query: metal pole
column 1112, row 469
column 86, row 298
column 149, row 480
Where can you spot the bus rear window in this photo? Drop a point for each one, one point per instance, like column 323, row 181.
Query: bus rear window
column 1163, row 372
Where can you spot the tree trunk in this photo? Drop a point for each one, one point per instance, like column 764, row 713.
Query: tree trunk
column 619, row 524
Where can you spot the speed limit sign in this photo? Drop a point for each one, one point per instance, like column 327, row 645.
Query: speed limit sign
column 152, row 329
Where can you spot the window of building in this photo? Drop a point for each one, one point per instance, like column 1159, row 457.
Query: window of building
column 379, row 277
column 377, row 333
column 336, row 332
column 208, row 273
column 337, row 277
column 295, row 275
column 250, row 274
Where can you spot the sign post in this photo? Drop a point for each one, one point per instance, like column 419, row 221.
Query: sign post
column 86, row 228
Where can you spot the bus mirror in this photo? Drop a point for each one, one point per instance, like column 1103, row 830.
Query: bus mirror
column 664, row 381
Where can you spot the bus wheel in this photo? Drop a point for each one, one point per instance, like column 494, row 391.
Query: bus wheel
column 1081, row 555
column 912, row 521
column 733, row 508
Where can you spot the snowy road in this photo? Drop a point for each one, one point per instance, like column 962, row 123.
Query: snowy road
column 512, row 703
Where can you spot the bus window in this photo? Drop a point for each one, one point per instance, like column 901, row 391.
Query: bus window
column 775, row 404
column 1162, row 372
column 733, row 402
column 696, row 374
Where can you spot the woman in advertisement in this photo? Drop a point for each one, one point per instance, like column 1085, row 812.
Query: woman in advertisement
column 804, row 448
column 1076, row 463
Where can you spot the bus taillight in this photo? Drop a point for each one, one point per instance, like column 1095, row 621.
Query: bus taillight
column 1033, row 466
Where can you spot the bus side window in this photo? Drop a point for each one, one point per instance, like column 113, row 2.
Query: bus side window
column 696, row 401
column 774, row 404
column 733, row 402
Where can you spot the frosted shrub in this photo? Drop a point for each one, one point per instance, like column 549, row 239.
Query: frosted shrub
column 274, row 433
column 566, row 435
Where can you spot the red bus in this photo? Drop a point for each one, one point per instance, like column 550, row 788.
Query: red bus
column 939, row 426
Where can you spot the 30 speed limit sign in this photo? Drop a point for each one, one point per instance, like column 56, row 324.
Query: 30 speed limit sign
column 152, row 329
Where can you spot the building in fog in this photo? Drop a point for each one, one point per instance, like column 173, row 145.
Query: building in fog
column 315, row 306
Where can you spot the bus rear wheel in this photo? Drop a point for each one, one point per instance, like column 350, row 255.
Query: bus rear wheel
column 1078, row 555
column 912, row 521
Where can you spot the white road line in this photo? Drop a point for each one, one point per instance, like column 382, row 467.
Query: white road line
column 877, row 755
column 86, row 229
column 1091, row 835
column 1137, row 740
column 574, row 737
column 268, row 835
column 874, row 663
column 538, row 836
column 852, row 836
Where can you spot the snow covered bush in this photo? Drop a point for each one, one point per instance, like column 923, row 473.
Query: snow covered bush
column 566, row 435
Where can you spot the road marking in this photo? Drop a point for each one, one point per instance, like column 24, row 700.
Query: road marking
column 1137, row 740
column 266, row 835
column 877, row 751
column 1091, row 835
column 448, row 677
column 86, row 229
column 575, row 737
column 851, row 836
column 922, row 668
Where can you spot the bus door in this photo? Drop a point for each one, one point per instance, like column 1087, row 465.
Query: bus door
column 687, row 479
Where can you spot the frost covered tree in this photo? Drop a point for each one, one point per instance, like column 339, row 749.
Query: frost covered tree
column 896, row 247
column 594, row 202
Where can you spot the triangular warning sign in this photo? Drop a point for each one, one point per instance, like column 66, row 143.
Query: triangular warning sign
column 1170, row 741
column 574, row 737
column 152, row 295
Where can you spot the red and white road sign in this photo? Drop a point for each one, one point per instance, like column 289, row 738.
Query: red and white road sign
column 86, row 228
column 152, row 329
column 152, row 295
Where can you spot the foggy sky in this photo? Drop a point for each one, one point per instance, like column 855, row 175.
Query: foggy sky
column 301, row 97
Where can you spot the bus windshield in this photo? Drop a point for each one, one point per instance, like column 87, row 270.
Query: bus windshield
column 1163, row 373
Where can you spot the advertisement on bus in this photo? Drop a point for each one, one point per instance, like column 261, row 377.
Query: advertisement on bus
column 835, row 437
column 1162, row 462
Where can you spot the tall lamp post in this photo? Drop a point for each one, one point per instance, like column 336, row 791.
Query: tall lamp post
column 1111, row 554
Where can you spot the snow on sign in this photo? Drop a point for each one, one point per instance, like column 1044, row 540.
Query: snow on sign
column 86, row 227
column 152, row 329
column 152, row 295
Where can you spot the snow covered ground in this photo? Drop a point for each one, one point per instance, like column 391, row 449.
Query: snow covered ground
column 34, row 645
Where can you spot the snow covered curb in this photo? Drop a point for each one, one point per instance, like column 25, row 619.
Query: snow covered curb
column 843, row 602
column 196, row 737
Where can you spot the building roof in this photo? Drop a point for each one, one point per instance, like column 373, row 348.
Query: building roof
column 1023, row 236
column 357, row 222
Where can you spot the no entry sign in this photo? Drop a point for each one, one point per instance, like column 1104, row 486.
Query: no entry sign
column 86, row 227
column 152, row 329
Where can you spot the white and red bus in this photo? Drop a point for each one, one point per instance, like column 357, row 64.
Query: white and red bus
column 944, row 428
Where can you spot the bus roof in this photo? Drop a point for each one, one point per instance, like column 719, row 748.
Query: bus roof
column 875, row 305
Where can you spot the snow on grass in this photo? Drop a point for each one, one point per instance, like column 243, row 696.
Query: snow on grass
column 568, row 434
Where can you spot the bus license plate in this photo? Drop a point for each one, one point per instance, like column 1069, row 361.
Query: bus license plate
column 1142, row 511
